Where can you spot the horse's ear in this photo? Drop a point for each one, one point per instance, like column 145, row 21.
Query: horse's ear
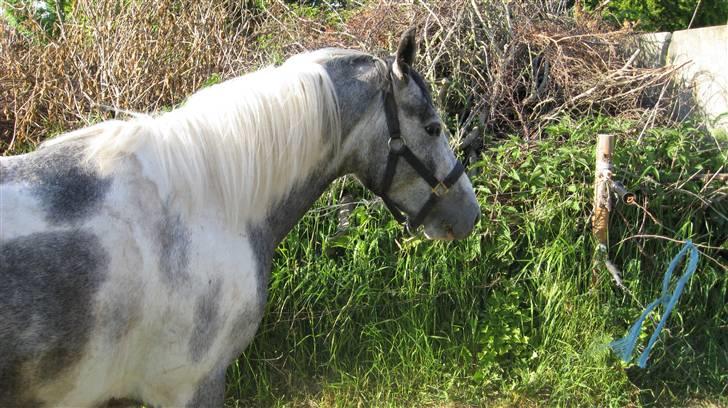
column 406, row 53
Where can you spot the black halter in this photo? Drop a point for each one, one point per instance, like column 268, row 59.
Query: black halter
column 397, row 149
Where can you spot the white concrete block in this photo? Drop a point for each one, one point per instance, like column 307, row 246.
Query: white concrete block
column 704, row 51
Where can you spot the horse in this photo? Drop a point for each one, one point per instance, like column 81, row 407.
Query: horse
column 135, row 255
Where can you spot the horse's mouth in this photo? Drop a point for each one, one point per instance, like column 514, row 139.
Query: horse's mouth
column 447, row 234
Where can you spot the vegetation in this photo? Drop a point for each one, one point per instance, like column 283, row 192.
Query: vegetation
column 497, row 68
column 665, row 15
column 47, row 14
column 518, row 314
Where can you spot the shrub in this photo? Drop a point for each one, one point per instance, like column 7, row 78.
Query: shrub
column 666, row 15
column 47, row 14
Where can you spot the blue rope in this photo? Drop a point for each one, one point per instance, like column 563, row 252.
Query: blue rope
column 624, row 347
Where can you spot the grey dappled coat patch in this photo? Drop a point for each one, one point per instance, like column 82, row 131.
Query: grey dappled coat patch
column 206, row 321
column 121, row 309
column 174, row 241
column 67, row 189
column 210, row 392
column 351, row 78
column 263, row 248
column 244, row 327
column 48, row 282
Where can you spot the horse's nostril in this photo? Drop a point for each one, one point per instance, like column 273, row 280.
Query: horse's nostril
column 477, row 218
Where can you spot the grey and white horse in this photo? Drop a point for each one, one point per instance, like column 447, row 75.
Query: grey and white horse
column 135, row 255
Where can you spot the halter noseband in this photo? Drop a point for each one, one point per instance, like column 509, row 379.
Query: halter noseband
column 397, row 149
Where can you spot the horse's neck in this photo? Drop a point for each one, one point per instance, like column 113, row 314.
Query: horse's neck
column 283, row 216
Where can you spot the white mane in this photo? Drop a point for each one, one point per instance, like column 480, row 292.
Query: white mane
column 247, row 141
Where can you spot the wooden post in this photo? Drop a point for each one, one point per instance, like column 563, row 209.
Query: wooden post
column 602, row 181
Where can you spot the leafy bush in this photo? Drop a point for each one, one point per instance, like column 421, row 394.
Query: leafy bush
column 47, row 14
column 667, row 15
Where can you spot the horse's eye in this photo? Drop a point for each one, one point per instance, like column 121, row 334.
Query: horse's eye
column 433, row 129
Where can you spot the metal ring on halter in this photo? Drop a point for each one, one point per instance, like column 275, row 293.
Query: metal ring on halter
column 396, row 145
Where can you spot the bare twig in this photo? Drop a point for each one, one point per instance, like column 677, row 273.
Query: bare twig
column 650, row 236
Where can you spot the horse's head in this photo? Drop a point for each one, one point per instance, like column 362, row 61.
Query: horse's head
column 403, row 153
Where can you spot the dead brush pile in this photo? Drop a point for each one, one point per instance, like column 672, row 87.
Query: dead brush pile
column 498, row 68
column 517, row 67
column 143, row 56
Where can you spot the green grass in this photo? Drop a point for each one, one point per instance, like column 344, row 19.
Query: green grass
column 519, row 313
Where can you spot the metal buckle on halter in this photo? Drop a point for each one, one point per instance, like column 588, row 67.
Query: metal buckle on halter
column 440, row 189
column 396, row 145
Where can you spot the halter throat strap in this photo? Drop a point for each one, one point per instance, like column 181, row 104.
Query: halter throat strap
column 398, row 149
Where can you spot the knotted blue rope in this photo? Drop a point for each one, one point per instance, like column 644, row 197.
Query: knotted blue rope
column 625, row 346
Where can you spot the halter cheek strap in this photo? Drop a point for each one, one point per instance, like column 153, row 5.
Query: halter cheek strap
column 398, row 149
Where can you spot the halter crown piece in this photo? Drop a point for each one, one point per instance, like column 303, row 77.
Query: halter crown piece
column 397, row 149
